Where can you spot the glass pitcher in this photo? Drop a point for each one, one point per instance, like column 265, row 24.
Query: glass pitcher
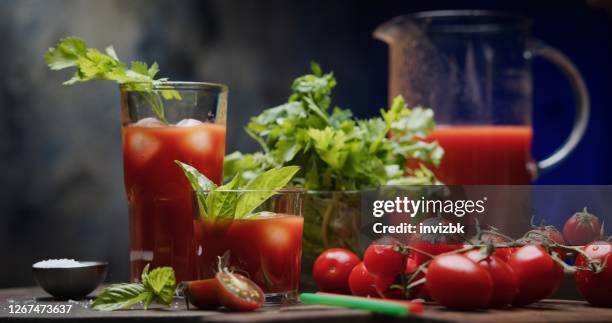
column 473, row 69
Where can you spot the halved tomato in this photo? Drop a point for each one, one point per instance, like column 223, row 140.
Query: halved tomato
column 237, row 292
column 202, row 293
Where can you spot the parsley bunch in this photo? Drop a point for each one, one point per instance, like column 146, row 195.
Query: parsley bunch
column 334, row 150
column 91, row 64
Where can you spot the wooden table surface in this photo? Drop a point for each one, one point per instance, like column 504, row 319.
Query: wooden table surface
column 546, row 311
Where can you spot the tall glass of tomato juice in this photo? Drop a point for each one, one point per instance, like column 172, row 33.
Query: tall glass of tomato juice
column 159, row 196
column 265, row 246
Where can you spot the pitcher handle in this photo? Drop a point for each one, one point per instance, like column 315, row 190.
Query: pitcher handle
column 582, row 102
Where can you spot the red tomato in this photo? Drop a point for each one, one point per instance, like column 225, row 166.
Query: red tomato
column 383, row 259
column 389, row 287
column 537, row 274
column 332, row 269
column 596, row 288
column 361, row 282
column 504, row 253
column 582, row 228
column 203, row 293
column 458, row 282
column 434, row 244
column 238, row 293
column 504, row 282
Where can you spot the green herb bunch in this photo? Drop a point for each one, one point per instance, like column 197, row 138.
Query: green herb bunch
column 91, row 64
column 157, row 286
column 239, row 198
column 336, row 151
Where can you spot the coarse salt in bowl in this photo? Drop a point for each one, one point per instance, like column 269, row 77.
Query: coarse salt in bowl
column 58, row 263
column 68, row 278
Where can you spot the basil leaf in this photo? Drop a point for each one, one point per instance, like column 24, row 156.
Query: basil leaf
column 198, row 181
column 269, row 181
column 161, row 283
column 119, row 296
column 144, row 276
column 157, row 286
column 220, row 203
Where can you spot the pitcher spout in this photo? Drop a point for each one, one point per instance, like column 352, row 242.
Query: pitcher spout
column 392, row 30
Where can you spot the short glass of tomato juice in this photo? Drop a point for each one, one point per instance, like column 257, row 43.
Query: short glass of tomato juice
column 162, row 123
column 265, row 246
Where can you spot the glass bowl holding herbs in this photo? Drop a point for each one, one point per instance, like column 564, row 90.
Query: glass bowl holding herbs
column 340, row 156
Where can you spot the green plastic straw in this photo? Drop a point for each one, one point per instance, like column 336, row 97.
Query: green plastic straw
column 375, row 306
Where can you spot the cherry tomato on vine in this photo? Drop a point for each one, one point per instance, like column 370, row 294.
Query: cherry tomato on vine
column 596, row 288
column 202, row 293
column 504, row 282
column 238, row 293
column 332, row 269
column 458, row 282
column 361, row 282
column 537, row 274
column 383, row 259
column 582, row 228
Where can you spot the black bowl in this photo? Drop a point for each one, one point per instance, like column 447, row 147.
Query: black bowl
column 73, row 282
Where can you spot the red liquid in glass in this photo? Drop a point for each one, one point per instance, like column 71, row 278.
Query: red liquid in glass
column 268, row 250
column 485, row 154
column 159, row 196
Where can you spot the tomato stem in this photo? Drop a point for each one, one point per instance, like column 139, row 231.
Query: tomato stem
column 566, row 267
column 416, row 283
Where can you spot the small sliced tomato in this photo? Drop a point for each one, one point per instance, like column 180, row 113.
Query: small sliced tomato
column 203, row 293
column 238, row 293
